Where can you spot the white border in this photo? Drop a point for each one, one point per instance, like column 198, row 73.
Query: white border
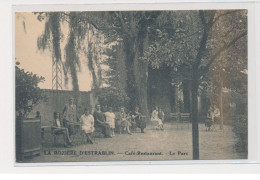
column 7, row 150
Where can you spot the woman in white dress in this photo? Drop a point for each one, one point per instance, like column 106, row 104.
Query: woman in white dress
column 88, row 125
column 156, row 119
column 110, row 119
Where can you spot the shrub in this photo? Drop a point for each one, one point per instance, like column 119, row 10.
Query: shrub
column 27, row 92
column 112, row 97
column 240, row 128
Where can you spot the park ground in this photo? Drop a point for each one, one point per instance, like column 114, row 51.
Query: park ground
column 174, row 143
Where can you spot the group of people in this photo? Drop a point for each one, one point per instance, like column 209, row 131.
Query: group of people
column 104, row 122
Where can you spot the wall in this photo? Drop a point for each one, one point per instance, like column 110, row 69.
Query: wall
column 56, row 100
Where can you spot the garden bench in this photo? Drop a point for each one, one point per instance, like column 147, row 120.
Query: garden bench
column 174, row 116
column 185, row 118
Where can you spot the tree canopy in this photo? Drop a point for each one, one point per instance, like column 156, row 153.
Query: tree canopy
column 201, row 46
column 28, row 93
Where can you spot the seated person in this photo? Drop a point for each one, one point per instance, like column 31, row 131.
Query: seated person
column 156, row 119
column 133, row 123
column 124, row 121
column 138, row 120
column 100, row 122
column 217, row 116
column 88, row 125
column 59, row 129
column 110, row 119
column 161, row 117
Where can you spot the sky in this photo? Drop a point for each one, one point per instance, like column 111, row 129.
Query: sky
column 27, row 31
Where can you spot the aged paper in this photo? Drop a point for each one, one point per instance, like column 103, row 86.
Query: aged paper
column 131, row 85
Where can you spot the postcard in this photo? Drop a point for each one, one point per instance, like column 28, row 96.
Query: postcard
column 157, row 85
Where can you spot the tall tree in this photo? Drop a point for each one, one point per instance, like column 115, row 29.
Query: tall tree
column 76, row 39
column 132, row 29
column 191, row 41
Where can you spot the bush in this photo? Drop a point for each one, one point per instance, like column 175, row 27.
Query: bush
column 27, row 92
column 112, row 97
column 240, row 128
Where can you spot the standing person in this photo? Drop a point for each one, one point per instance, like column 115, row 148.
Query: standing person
column 70, row 116
column 123, row 121
column 88, row 125
column 161, row 117
column 100, row 122
column 210, row 119
column 139, row 119
column 217, row 116
column 110, row 119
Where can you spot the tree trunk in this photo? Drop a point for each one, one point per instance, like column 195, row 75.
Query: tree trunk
column 137, row 73
column 141, row 73
column 194, row 115
column 186, row 96
column 130, row 56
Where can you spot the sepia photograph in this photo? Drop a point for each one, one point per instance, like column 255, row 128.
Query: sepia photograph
column 157, row 85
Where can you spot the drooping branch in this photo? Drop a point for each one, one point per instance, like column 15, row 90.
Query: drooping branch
column 56, row 35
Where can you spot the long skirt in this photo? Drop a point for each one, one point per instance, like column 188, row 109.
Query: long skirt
column 104, row 129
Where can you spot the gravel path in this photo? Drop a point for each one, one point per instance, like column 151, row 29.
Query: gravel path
column 174, row 143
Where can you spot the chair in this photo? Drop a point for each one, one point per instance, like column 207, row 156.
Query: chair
column 55, row 129
column 55, row 134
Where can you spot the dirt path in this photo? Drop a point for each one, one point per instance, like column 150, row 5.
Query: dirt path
column 174, row 143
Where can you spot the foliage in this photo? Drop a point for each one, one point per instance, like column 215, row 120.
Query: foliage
column 189, row 38
column 112, row 97
column 206, row 47
column 240, row 128
column 178, row 34
column 191, row 41
column 130, row 30
column 79, row 42
column 201, row 46
column 27, row 92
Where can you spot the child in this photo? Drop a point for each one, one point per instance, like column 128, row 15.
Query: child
column 110, row 119
column 88, row 125
column 124, row 123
